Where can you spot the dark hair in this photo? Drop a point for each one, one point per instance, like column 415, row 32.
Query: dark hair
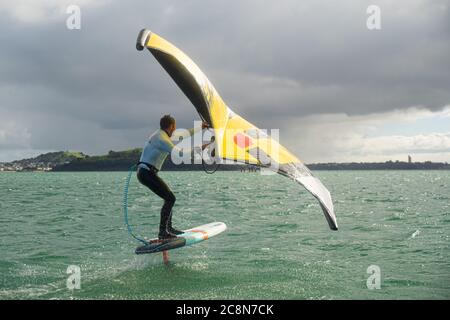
column 166, row 121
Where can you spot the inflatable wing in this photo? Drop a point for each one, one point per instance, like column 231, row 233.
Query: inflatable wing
column 236, row 139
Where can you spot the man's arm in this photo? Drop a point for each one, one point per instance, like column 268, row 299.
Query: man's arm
column 167, row 145
column 190, row 132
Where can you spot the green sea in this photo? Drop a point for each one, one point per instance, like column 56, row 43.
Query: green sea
column 277, row 245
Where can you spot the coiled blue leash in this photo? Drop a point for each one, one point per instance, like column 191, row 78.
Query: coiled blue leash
column 125, row 205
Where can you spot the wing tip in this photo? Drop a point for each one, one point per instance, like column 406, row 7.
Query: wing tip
column 332, row 223
column 330, row 217
column 142, row 39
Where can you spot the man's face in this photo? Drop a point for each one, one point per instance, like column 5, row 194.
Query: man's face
column 171, row 129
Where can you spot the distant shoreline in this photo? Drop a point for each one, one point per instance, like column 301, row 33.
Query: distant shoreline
column 65, row 161
column 314, row 170
column 388, row 165
column 250, row 168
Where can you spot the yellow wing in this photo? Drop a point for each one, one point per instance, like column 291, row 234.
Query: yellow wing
column 235, row 138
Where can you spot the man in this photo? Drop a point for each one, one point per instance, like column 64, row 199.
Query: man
column 155, row 152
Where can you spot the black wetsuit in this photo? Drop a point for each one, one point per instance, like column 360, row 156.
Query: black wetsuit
column 151, row 180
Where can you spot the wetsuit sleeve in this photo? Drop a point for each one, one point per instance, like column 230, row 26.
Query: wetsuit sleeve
column 189, row 132
column 168, row 146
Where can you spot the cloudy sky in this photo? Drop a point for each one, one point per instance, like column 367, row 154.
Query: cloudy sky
column 337, row 90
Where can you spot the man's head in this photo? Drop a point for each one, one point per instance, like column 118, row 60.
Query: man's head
column 167, row 123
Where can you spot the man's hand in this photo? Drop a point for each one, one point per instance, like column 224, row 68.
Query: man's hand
column 205, row 145
column 205, row 125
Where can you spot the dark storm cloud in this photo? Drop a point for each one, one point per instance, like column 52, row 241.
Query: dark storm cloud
column 269, row 60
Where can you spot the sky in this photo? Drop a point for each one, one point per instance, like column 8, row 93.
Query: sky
column 337, row 91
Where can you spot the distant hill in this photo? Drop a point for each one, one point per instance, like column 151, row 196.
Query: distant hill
column 123, row 160
column 44, row 162
column 113, row 161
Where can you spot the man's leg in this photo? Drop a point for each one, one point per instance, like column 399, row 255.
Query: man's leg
column 166, row 212
column 159, row 187
column 172, row 229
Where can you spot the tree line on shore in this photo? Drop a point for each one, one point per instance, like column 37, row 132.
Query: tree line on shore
column 123, row 160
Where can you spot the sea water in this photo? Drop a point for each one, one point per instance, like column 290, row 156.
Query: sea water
column 277, row 245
